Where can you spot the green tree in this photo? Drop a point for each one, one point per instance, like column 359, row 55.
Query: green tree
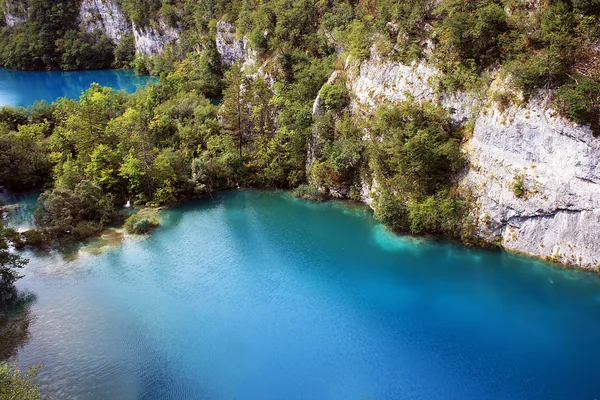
column 16, row 385
column 9, row 264
column 233, row 109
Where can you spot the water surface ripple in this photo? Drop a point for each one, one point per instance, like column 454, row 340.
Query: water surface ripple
column 257, row 295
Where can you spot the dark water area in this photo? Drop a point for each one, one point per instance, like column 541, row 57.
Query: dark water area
column 258, row 295
column 23, row 88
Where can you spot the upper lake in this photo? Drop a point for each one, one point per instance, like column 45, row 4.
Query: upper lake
column 23, row 88
column 258, row 295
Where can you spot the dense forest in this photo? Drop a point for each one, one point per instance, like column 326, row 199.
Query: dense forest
column 170, row 141
column 541, row 44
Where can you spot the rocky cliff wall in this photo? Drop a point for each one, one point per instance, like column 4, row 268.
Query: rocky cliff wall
column 15, row 12
column 152, row 40
column 106, row 16
column 230, row 48
column 554, row 161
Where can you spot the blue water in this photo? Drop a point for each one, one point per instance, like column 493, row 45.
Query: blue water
column 257, row 295
column 23, row 88
column 20, row 218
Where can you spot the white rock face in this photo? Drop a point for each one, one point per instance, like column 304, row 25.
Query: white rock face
column 151, row 41
column 559, row 215
column 12, row 19
column 559, row 161
column 377, row 81
column 229, row 48
column 14, row 12
column 104, row 15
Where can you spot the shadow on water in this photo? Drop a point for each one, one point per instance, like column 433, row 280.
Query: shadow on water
column 15, row 321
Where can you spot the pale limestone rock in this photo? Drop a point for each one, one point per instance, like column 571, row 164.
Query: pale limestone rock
column 106, row 16
column 229, row 48
column 559, row 217
column 376, row 81
column 152, row 40
column 15, row 12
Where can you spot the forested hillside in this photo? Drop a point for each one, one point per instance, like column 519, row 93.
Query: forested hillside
column 170, row 141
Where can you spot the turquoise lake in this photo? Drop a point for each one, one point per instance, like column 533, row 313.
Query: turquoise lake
column 258, row 295
column 23, row 88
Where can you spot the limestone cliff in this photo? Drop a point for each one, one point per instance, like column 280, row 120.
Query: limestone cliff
column 556, row 163
column 152, row 40
column 230, row 48
column 15, row 12
column 106, row 16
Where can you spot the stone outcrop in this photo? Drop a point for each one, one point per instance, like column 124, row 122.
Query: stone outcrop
column 558, row 162
column 375, row 81
column 106, row 16
column 555, row 161
column 152, row 40
column 229, row 47
column 15, row 12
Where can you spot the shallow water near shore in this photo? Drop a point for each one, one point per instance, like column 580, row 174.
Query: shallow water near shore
column 258, row 295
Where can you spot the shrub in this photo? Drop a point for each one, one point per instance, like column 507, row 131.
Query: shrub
column 142, row 64
column 86, row 229
column 390, row 210
column 334, row 97
column 357, row 38
column 125, row 52
column 580, row 102
column 503, row 100
column 518, row 186
column 309, row 192
column 16, row 385
column 141, row 223
column 436, row 214
column 35, row 238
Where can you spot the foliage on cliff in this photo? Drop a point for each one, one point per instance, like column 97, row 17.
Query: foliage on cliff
column 49, row 38
column 168, row 141
column 415, row 156
column 547, row 45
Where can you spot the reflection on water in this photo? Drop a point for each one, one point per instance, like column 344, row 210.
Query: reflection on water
column 15, row 320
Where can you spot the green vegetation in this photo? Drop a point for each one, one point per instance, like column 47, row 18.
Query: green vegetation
column 141, row 223
column 169, row 142
column 9, row 264
column 547, row 46
column 518, row 186
column 49, row 38
column 309, row 192
column 340, row 154
column 16, row 385
column 334, row 97
column 416, row 155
